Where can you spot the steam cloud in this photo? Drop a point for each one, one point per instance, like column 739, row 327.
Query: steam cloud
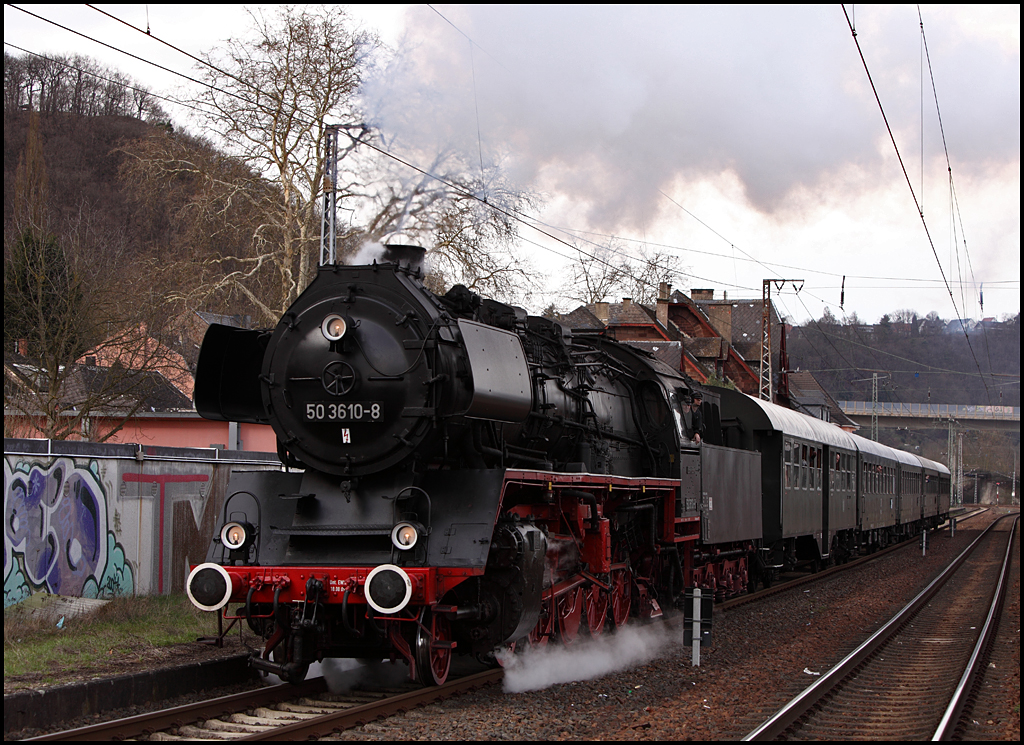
column 539, row 668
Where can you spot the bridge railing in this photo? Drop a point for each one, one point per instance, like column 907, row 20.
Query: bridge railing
column 931, row 411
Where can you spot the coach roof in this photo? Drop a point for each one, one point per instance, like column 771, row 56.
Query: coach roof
column 765, row 415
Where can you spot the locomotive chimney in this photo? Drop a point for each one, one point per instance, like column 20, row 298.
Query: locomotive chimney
column 410, row 255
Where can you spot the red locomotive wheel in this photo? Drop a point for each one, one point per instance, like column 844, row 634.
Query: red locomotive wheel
column 620, row 593
column 433, row 650
column 597, row 609
column 570, row 615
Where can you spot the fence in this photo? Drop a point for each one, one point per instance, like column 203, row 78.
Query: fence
column 934, row 411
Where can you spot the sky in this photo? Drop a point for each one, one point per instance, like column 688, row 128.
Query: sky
column 745, row 141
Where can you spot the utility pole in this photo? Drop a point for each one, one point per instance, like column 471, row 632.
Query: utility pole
column 328, row 223
column 960, row 467
column 765, row 387
column 874, row 406
column 951, row 462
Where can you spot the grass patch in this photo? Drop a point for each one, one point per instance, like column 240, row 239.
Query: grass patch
column 124, row 629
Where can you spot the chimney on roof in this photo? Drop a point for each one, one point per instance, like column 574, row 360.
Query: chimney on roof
column 720, row 316
column 23, row 347
column 661, row 312
column 601, row 311
column 626, row 302
column 702, row 294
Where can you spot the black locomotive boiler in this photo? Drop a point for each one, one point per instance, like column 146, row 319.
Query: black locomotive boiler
column 462, row 477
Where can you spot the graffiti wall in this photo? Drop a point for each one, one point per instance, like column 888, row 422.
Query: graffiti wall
column 100, row 521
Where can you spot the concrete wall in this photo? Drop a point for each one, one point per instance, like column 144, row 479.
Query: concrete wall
column 101, row 520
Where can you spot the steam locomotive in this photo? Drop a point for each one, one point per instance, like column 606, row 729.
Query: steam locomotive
column 460, row 477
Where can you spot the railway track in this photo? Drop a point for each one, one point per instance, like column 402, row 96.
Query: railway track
column 282, row 712
column 309, row 710
column 910, row 680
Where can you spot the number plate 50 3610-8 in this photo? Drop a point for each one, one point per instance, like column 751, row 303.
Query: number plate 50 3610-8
column 348, row 411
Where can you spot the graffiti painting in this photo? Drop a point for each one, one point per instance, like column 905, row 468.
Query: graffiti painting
column 57, row 538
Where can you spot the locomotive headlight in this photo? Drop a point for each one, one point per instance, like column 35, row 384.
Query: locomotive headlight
column 405, row 536
column 334, row 327
column 236, row 535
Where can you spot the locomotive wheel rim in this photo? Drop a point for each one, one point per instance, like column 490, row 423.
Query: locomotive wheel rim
column 597, row 609
column 620, row 593
column 570, row 615
column 433, row 664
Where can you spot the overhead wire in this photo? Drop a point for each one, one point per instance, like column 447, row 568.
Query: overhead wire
column 913, row 195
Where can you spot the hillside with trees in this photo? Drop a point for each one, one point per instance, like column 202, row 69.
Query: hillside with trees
column 917, row 359
column 921, row 360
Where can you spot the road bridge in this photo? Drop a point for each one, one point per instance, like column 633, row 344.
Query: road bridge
column 933, row 416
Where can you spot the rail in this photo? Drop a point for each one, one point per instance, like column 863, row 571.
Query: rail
column 960, row 697
column 778, row 723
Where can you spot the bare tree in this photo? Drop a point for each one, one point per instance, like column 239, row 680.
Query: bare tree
column 64, row 84
column 212, row 217
column 271, row 99
column 467, row 220
column 597, row 274
column 612, row 270
column 82, row 350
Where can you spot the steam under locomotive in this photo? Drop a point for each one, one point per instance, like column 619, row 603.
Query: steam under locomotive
column 462, row 477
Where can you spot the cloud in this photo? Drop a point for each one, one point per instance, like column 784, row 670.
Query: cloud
column 609, row 104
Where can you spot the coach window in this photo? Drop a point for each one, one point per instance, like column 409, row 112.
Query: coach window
column 803, row 466
column 794, row 472
column 787, row 464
